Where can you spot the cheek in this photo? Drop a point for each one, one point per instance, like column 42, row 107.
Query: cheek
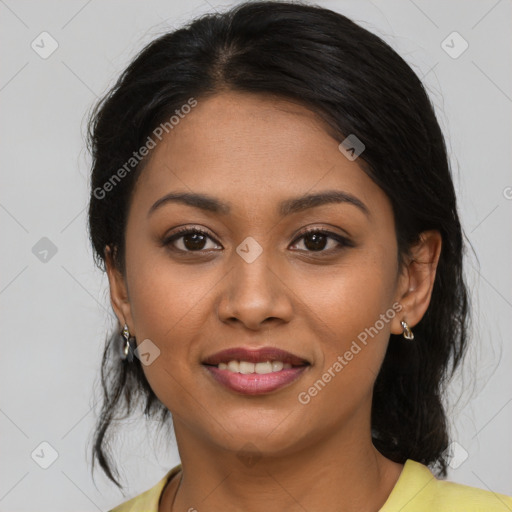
column 349, row 297
column 350, row 309
column 166, row 298
column 172, row 306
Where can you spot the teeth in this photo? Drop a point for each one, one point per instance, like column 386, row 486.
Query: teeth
column 245, row 367
column 277, row 366
column 233, row 366
column 263, row 367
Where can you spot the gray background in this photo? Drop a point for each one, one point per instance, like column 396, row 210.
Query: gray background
column 54, row 307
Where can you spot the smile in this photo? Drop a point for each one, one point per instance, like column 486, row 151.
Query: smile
column 255, row 371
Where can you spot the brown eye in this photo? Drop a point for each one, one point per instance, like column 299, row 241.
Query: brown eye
column 316, row 240
column 192, row 240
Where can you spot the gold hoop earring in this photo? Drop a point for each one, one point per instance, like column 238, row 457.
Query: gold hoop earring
column 407, row 334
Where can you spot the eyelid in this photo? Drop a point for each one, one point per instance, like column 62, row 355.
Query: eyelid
column 318, row 229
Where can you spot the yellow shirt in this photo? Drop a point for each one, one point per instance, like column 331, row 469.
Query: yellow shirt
column 417, row 490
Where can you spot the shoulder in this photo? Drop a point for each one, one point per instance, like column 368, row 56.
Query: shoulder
column 148, row 500
column 418, row 490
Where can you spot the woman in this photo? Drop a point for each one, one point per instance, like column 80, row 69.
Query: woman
column 272, row 202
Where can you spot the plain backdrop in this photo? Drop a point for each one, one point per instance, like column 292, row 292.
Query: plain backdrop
column 54, row 303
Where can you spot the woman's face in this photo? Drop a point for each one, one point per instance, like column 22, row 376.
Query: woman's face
column 254, row 280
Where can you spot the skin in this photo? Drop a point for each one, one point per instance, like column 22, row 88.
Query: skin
column 253, row 151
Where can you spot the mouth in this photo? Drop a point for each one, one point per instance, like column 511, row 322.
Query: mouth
column 253, row 372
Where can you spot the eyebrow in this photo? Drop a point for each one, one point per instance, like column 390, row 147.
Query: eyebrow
column 286, row 207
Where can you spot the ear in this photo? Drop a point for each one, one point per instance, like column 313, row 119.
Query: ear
column 416, row 281
column 118, row 291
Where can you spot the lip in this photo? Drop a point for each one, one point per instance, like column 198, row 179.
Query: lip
column 254, row 383
column 259, row 355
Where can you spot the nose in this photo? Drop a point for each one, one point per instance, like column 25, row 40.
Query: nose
column 254, row 293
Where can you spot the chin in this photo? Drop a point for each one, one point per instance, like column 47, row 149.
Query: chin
column 264, row 438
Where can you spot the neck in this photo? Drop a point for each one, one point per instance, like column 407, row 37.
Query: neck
column 340, row 472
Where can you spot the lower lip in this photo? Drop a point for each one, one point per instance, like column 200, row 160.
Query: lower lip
column 255, row 383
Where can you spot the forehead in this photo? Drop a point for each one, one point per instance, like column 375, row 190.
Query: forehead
column 252, row 149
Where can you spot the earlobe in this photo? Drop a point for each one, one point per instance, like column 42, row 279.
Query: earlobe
column 417, row 280
column 118, row 290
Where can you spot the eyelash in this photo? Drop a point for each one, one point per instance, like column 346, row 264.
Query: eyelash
column 341, row 240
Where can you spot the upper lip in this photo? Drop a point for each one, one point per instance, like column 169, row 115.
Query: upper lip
column 259, row 355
